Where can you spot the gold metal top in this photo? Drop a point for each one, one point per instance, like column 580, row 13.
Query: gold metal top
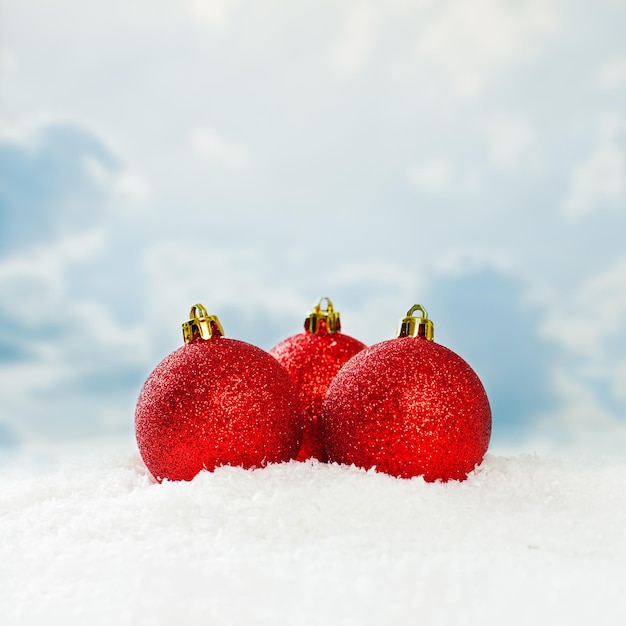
column 201, row 325
column 410, row 326
column 323, row 320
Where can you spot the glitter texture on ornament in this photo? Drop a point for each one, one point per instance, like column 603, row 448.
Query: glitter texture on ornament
column 313, row 359
column 408, row 407
column 216, row 401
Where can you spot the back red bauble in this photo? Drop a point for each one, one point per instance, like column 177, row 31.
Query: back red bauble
column 313, row 359
column 216, row 401
column 408, row 407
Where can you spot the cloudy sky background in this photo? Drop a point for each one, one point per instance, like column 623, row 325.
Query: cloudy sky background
column 468, row 155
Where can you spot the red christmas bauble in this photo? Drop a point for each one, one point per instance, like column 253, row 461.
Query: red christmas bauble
column 313, row 359
column 408, row 407
column 216, row 401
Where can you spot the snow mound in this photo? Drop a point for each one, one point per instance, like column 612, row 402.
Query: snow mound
column 524, row 540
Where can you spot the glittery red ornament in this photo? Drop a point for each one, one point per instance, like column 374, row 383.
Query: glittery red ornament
column 216, row 401
column 313, row 359
column 409, row 407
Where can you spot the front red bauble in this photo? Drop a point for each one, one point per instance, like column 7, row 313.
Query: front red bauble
column 216, row 402
column 408, row 407
column 313, row 359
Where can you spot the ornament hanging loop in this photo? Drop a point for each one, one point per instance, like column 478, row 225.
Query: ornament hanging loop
column 323, row 320
column 411, row 326
column 201, row 325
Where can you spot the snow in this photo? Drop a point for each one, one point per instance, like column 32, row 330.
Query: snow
column 94, row 540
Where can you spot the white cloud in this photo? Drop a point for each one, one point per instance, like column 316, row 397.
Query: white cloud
column 374, row 272
column 594, row 314
column 581, row 424
column 92, row 345
column 600, row 180
column 434, row 176
column 591, row 377
column 465, row 260
column 471, row 42
column 27, row 133
column 67, row 339
column 607, row 293
column 28, row 130
column 101, row 162
column 32, row 285
column 216, row 147
column 97, row 332
column 125, row 184
column 131, row 185
column 592, row 326
column 612, row 75
column 355, row 45
column 512, row 141
column 215, row 14
column 181, row 275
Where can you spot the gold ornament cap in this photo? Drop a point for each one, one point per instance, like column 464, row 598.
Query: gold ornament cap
column 411, row 326
column 323, row 320
column 201, row 325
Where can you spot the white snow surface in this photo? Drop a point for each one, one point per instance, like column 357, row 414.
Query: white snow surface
column 525, row 540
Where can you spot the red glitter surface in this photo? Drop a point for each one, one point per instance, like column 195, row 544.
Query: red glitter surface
column 409, row 407
column 217, row 402
column 313, row 360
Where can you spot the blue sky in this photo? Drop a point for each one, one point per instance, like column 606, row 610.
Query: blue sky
column 468, row 155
